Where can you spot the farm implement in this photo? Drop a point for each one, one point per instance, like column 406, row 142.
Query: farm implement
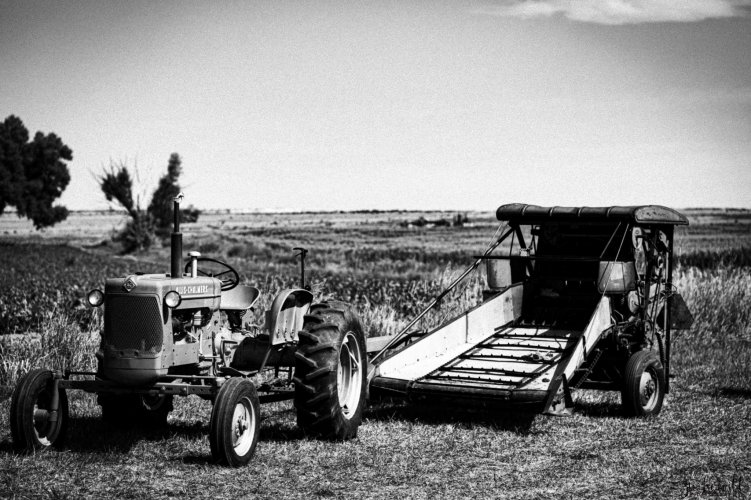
column 184, row 333
column 580, row 297
column 576, row 298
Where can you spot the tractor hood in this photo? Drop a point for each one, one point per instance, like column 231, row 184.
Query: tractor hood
column 199, row 292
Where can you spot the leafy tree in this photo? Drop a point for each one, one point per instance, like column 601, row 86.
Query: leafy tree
column 32, row 174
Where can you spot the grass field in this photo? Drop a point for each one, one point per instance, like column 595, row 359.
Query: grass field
column 699, row 446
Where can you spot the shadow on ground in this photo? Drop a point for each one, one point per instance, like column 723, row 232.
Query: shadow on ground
column 436, row 414
column 735, row 392
column 92, row 435
column 598, row 409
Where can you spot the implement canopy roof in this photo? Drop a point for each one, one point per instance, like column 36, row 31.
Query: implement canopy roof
column 644, row 214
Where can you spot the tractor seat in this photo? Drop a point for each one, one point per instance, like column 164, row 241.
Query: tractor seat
column 240, row 298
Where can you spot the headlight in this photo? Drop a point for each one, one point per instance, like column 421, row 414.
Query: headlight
column 172, row 299
column 95, row 298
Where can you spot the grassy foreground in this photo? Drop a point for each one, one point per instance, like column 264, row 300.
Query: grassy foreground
column 698, row 447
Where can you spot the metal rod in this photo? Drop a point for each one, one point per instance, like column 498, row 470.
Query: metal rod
column 488, row 371
column 176, row 240
column 538, row 257
column 669, row 291
column 440, row 296
column 302, row 254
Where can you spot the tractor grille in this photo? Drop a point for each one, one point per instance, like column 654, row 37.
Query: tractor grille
column 133, row 322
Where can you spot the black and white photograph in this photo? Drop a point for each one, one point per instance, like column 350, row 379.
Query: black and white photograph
column 389, row 249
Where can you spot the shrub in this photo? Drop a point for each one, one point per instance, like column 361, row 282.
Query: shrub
column 141, row 231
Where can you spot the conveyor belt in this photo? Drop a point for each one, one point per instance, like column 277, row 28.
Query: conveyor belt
column 508, row 360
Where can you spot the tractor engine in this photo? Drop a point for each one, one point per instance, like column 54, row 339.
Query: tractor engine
column 152, row 323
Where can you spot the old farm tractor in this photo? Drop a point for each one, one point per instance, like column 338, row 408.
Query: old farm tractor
column 183, row 333
column 581, row 297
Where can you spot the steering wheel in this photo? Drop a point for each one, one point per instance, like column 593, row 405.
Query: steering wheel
column 216, row 269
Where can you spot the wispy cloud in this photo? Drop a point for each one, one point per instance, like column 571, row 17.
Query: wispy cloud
column 620, row 11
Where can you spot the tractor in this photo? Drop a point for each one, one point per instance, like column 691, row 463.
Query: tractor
column 579, row 297
column 183, row 333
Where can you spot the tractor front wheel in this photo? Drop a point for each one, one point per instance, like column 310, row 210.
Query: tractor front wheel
column 330, row 372
column 33, row 423
column 644, row 385
column 234, row 428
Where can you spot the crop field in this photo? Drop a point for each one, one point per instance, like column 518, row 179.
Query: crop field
column 387, row 267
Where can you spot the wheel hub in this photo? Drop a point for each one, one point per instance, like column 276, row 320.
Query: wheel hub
column 349, row 375
column 648, row 390
column 243, row 423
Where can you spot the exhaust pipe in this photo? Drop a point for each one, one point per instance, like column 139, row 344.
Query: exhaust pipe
column 176, row 241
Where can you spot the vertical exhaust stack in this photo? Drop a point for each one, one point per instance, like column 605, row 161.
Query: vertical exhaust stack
column 177, row 241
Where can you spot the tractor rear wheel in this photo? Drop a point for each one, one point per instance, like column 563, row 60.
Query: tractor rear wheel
column 128, row 410
column 235, row 423
column 33, row 426
column 330, row 372
column 644, row 385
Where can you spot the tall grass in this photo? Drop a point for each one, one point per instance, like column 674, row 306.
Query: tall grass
column 719, row 300
column 714, row 355
column 61, row 344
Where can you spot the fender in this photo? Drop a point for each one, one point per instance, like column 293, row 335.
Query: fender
column 286, row 316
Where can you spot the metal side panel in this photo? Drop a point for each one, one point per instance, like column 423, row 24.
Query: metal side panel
column 453, row 338
column 600, row 321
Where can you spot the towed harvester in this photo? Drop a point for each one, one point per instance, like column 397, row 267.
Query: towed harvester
column 580, row 297
column 184, row 333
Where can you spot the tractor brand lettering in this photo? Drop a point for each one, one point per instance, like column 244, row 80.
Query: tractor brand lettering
column 192, row 289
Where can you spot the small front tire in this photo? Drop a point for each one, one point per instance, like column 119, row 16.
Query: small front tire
column 33, row 425
column 644, row 385
column 235, row 423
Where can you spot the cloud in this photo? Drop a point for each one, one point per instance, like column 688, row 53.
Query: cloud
column 620, row 11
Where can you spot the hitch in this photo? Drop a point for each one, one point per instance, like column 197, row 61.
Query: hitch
column 302, row 253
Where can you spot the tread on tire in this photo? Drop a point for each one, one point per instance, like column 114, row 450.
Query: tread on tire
column 322, row 379
column 644, row 385
column 235, row 423
column 29, row 425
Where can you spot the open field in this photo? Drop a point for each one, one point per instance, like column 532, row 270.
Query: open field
column 699, row 447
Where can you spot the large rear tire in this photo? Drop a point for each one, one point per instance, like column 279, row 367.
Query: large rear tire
column 33, row 426
column 129, row 410
column 644, row 385
column 235, row 423
column 330, row 372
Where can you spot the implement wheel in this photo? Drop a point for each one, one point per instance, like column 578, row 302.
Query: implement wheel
column 234, row 428
column 644, row 385
column 330, row 372
column 128, row 410
column 33, row 426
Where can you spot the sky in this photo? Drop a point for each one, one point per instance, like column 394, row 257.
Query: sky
column 461, row 105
